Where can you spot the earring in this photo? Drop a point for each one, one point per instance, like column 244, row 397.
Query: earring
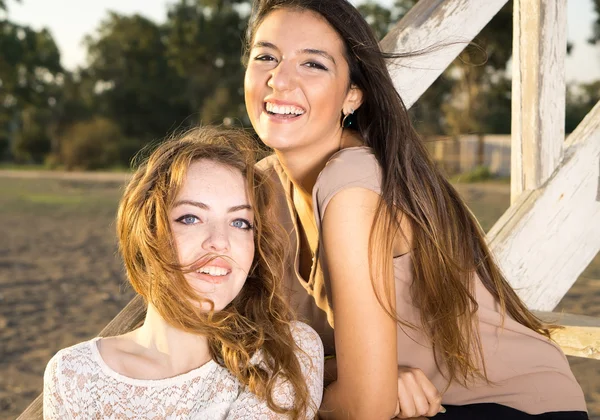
column 351, row 112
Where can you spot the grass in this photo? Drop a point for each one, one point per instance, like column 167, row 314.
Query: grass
column 478, row 174
column 20, row 194
column 488, row 201
column 9, row 166
column 21, row 167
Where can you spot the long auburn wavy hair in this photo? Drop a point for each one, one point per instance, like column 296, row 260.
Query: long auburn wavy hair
column 258, row 318
column 448, row 245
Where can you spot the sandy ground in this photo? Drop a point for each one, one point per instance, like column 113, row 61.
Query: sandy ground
column 61, row 280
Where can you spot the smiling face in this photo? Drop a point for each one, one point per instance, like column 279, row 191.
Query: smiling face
column 297, row 81
column 212, row 217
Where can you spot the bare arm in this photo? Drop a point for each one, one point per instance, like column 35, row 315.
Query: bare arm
column 365, row 335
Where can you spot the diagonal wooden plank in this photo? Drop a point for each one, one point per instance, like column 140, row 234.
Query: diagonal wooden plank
column 550, row 235
column 443, row 28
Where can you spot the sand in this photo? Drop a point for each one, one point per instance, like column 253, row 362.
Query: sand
column 61, row 280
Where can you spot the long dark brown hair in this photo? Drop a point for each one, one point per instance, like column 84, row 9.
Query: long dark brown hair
column 258, row 318
column 448, row 245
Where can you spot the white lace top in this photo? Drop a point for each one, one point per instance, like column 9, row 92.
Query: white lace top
column 78, row 384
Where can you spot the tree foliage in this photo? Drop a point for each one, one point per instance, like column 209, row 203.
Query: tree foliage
column 32, row 142
column 29, row 70
column 580, row 100
column 595, row 38
column 134, row 83
column 91, row 144
column 203, row 43
column 145, row 79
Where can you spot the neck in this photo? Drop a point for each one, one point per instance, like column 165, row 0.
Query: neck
column 173, row 348
column 303, row 166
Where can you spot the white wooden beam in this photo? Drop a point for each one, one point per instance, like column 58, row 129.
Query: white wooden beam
column 445, row 28
column 538, row 91
column 550, row 235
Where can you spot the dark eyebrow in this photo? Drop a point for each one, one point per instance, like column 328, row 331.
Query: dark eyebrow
column 207, row 207
column 264, row 44
column 324, row 54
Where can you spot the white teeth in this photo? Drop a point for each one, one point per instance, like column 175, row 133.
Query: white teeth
column 213, row 271
column 284, row 110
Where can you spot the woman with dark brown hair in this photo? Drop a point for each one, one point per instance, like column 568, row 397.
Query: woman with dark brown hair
column 387, row 264
column 197, row 234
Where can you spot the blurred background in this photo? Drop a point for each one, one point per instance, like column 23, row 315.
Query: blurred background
column 85, row 85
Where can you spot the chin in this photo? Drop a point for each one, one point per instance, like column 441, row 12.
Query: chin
column 279, row 142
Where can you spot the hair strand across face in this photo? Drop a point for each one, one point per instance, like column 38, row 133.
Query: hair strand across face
column 258, row 318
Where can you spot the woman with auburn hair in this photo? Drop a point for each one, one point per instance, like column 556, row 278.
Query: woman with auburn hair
column 388, row 264
column 196, row 232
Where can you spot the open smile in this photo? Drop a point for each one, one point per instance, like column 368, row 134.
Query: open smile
column 212, row 278
column 214, row 271
column 282, row 111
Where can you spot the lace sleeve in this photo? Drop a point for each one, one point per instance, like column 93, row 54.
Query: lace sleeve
column 54, row 404
column 310, row 356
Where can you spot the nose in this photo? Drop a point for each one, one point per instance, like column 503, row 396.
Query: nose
column 282, row 77
column 217, row 239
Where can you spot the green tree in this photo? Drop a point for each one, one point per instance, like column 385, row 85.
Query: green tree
column 378, row 17
column 32, row 142
column 596, row 25
column 29, row 63
column 481, row 94
column 580, row 100
column 203, row 41
column 134, row 84
column 91, row 144
column 29, row 69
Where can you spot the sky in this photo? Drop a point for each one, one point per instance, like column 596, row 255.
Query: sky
column 70, row 20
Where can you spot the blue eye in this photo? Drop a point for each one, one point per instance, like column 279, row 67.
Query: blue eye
column 242, row 224
column 188, row 219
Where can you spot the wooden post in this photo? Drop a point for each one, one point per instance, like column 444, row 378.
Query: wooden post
column 538, row 91
column 440, row 29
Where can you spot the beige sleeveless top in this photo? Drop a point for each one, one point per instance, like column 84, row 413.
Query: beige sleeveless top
column 527, row 371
